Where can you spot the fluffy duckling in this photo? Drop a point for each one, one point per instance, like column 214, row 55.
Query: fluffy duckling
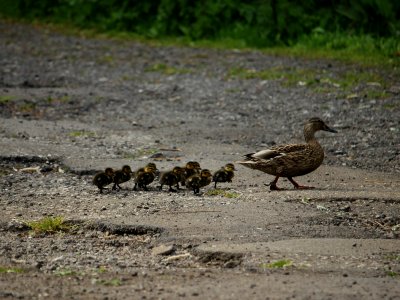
column 291, row 160
column 171, row 178
column 206, row 177
column 196, row 181
column 144, row 177
column 103, row 179
column 122, row 176
column 191, row 168
column 225, row 174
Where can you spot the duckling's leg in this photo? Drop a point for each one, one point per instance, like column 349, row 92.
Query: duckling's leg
column 273, row 186
column 215, row 185
column 171, row 189
column 135, row 187
column 298, row 186
column 114, row 186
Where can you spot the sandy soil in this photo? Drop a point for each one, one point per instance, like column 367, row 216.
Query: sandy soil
column 72, row 106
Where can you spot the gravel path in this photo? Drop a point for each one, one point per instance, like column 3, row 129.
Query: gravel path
column 72, row 105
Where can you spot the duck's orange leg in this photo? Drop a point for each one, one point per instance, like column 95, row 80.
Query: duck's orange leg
column 298, row 186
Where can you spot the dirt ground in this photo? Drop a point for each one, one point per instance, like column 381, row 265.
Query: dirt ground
column 72, row 106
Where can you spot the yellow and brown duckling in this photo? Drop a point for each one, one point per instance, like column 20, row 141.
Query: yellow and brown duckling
column 171, row 178
column 191, row 168
column 206, row 177
column 196, row 181
column 145, row 176
column 225, row 174
column 291, row 160
column 103, row 179
column 121, row 176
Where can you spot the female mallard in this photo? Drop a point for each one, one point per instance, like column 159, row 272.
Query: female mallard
column 291, row 160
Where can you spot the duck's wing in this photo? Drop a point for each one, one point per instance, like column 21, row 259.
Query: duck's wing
column 276, row 151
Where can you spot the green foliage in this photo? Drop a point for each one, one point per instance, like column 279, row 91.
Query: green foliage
column 50, row 225
column 10, row 270
column 223, row 193
column 279, row 264
column 254, row 22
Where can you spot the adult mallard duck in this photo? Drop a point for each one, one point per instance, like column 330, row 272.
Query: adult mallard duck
column 291, row 160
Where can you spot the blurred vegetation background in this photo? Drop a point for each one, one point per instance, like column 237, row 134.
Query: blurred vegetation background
column 362, row 25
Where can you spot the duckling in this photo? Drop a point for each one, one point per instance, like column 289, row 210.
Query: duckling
column 121, row 176
column 103, row 178
column 145, row 177
column 171, row 178
column 206, row 177
column 196, row 181
column 191, row 168
column 291, row 160
column 225, row 174
column 150, row 165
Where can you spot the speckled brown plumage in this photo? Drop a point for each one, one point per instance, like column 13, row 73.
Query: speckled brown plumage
column 291, row 160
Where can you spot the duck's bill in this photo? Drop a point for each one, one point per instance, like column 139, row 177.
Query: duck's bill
column 330, row 129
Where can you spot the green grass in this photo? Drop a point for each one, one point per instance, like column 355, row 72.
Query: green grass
column 11, row 270
column 55, row 100
column 50, row 225
column 368, row 84
column 279, row 264
column 363, row 50
column 110, row 282
column 165, row 69
column 65, row 272
column 81, row 133
column 223, row 193
column 392, row 274
column 6, row 98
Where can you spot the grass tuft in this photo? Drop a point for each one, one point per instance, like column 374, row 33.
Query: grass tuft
column 50, row 225
column 11, row 270
column 223, row 193
column 279, row 264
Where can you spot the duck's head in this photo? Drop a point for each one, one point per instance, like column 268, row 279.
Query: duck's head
column 109, row 172
column 152, row 165
column 126, row 169
column 229, row 167
column 150, row 168
column 192, row 165
column 178, row 170
column 316, row 124
column 205, row 173
column 153, row 168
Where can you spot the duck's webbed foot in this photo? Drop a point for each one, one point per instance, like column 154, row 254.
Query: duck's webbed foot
column 273, row 186
column 298, row 186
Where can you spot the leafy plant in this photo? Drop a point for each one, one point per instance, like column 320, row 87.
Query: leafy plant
column 50, row 225
column 279, row 264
